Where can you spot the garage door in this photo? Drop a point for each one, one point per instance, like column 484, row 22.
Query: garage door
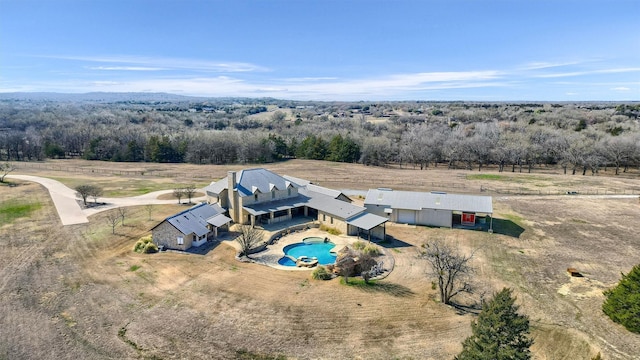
column 407, row 216
column 432, row 217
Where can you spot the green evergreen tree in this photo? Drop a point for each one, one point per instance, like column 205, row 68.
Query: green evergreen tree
column 622, row 303
column 499, row 333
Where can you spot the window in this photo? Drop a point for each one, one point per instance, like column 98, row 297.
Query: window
column 289, row 192
column 255, row 197
column 331, row 221
column 273, row 194
column 324, row 217
column 180, row 240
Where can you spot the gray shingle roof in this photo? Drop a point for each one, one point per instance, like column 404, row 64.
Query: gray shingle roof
column 194, row 220
column 412, row 200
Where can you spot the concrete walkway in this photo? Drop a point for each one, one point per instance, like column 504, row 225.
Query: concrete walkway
column 68, row 206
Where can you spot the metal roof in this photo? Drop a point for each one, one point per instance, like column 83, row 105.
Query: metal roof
column 262, row 180
column 326, row 203
column 216, row 187
column 367, row 221
column 194, row 220
column 297, row 181
column 413, row 200
column 218, row 220
column 322, row 202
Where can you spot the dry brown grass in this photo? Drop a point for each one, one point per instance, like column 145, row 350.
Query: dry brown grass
column 80, row 292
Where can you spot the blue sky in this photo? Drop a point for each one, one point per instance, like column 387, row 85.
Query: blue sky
column 543, row 50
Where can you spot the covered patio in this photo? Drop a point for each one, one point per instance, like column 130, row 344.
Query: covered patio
column 368, row 225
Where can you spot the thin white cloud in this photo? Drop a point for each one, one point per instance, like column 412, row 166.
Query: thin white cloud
column 389, row 86
column 166, row 63
column 308, row 79
column 547, row 65
column 126, row 68
column 621, row 89
column 588, row 72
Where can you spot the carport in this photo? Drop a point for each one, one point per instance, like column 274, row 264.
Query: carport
column 369, row 224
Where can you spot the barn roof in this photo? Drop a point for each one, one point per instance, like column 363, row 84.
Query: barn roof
column 413, row 200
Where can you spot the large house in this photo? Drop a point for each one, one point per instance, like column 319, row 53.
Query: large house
column 192, row 227
column 430, row 208
column 259, row 196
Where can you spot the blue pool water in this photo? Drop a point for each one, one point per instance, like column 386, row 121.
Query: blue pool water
column 310, row 247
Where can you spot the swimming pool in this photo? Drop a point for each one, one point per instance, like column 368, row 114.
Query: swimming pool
column 310, row 247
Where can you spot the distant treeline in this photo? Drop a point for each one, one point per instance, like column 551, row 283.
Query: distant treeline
column 580, row 137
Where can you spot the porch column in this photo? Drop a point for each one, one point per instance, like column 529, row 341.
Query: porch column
column 306, row 211
column 289, row 213
column 253, row 220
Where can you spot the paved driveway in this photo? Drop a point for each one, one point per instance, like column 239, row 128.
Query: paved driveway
column 68, row 207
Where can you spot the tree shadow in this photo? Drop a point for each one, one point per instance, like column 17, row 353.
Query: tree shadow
column 507, row 227
column 375, row 286
column 204, row 248
column 392, row 243
column 466, row 309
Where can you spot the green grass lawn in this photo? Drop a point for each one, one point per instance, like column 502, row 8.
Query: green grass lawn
column 13, row 209
column 126, row 187
column 487, row 177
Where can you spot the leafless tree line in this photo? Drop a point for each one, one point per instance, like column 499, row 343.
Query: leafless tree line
column 514, row 137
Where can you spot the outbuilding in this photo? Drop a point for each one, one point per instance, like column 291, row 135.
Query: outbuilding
column 430, row 208
column 192, row 227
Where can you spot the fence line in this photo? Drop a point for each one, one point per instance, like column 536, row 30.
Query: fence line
column 370, row 182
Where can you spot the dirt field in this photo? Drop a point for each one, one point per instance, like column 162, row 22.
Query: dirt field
column 80, row 292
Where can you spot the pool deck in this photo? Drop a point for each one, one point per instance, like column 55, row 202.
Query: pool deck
column 275, row 251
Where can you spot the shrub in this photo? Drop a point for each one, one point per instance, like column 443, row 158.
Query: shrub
column 622, row 303
column 330, row 230
column 359, row 245
column 145, row 245
column 371, row 250
column 150, row 248
column 321, row 273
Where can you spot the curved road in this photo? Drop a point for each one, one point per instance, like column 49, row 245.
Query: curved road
column 69, row 209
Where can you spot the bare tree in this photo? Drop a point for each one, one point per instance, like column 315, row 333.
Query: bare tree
column 450, row 268
column 122, row 211
column 189, row 190
column 149, row 208
column 95, row 193
column 249, row 237
column 5, row 169
column 179, row 193
column 86, row 190
column 113, row 218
